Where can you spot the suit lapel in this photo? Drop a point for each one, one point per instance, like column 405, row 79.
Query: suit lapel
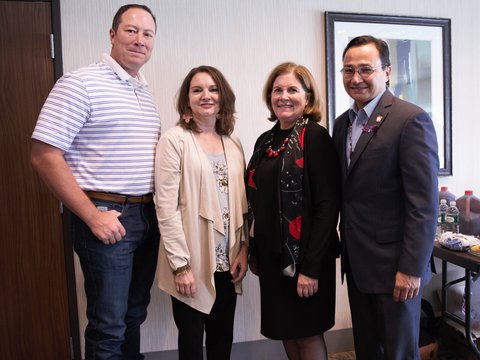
column 379, row 115
column 342, row 142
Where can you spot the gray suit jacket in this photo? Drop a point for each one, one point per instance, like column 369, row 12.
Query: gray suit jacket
column 389, row 195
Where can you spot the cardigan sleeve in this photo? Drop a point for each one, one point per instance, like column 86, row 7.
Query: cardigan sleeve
column 168, row 172
column 321, row 200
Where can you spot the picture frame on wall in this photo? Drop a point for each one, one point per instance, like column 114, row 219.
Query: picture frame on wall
column 420, row 55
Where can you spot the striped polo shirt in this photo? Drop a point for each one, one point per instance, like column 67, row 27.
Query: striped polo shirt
column 108, row 126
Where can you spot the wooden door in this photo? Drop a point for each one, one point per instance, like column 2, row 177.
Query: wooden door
column 34, row 313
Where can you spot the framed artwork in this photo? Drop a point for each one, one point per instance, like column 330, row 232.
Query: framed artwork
column 421, row 62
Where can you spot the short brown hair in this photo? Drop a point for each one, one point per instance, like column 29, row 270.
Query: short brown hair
column 118, row 16
column 313, row 108
column 225, row 118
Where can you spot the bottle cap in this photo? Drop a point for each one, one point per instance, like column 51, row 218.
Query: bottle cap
column 453, row 203
column 444, row 188
column 468, row 192
column 443, row 201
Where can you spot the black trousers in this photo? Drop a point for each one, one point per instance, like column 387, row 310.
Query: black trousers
column 218, row 325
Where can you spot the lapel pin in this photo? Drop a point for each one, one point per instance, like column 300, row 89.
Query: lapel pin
column 379, row 118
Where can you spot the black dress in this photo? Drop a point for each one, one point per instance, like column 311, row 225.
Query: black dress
column 284, row 315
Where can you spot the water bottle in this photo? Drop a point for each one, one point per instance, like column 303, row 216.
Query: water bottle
column 441, row 217
column 451, row 218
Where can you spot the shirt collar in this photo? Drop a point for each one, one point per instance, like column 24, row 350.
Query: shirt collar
column 368, row 108
column 139, row 80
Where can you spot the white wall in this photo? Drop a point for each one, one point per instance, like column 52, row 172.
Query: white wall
column 245, row 40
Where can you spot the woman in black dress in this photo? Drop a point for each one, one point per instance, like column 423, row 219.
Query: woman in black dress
column 293, row 191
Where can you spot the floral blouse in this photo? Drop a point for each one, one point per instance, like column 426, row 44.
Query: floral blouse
column 220, row 172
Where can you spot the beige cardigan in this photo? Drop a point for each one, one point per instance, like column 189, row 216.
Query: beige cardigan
column 188, row 211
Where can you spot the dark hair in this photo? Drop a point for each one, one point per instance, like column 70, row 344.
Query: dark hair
column 225, row 117
column 312, row 110
column 118, row 16
column 381, row 46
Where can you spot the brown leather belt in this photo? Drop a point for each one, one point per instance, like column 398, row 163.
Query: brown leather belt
column 106, row 196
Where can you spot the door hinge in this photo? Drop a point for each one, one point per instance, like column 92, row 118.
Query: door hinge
column 52, row 46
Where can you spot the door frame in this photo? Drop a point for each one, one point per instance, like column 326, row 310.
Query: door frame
column 66, row 215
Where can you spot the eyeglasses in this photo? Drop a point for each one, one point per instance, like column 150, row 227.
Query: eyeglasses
column 364, row 71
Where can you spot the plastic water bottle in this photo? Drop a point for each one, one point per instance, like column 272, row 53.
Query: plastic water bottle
column 451, row 218
column 441, row 217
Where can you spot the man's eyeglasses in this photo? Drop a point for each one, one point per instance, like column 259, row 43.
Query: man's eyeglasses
column 364, row 71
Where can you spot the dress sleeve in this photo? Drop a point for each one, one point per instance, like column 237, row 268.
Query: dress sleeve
column 321, row 205
column 168, row 173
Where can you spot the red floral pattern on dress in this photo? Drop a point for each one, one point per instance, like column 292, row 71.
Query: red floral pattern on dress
column 302, row 135
column 300, row 162
column 251, row 183
column 295, row 226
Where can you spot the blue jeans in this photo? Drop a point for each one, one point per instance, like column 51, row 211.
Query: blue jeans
column 118, row 278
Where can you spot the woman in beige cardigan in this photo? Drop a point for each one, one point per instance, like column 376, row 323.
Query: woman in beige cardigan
column 201, row 206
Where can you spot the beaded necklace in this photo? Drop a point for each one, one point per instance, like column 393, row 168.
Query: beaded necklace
column 274, row 153
column 274, row 140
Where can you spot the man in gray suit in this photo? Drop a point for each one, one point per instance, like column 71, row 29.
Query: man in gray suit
column 389, row 161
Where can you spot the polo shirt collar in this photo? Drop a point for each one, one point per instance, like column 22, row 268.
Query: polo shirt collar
column 122, row 74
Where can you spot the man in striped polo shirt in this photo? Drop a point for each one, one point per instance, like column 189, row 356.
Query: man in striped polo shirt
column 94, row 146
